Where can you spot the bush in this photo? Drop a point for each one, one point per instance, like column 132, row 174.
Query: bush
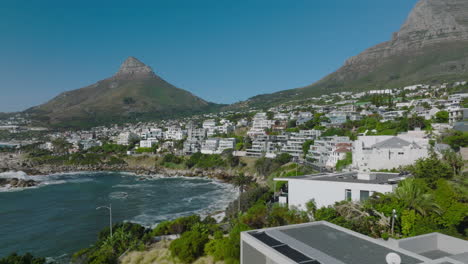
column 227, row 248
column 283, row 158
column 26, row 259
column 189, row 246
column 431, row 169
column 176, row 226
column 205, row 161
column 126, row 236
column 171, row 158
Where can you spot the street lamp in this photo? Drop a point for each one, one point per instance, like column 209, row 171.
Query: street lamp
column 110, row 216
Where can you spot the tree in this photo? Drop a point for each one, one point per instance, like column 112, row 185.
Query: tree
column 306, row 146
column 411, row 193
column 431, row 169
column 454, row 159
column 442, row 117
column 456, row 140
column 283, row 158
column 241, row 181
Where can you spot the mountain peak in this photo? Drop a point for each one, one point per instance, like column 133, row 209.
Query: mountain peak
column 433, row 21
column 132, row 67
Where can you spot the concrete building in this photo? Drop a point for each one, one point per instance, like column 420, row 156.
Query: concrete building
column 196, row 133
column 191, row 146
column 174, row 133
column 226, row 143
column 388, row 152
column 148, row 143
column 328, row 188
column 217, row 145
column 210, row 146
column 457, row 114
column 327, row 151
column 125, row 138
column 324, row 243
column 261, row 122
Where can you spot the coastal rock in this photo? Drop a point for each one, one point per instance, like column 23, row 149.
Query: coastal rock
column 17, row 183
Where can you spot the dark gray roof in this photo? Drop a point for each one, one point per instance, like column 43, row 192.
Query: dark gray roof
column 380, row 177
column 343, row 246
column 393, row 142
column 323, row 243
column 461, row 126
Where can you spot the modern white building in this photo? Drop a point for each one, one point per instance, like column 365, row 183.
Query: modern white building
column 148, row 143
column 327, row 151
column 388, row 152
column 196, row 133
column 322, row 242
column 174, row 133
column 457, row 114
column 226, row 143
column 328, row 188
column 125, row 138
column 217, row 145
column 260, row 121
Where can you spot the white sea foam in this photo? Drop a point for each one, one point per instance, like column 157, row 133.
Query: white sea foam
column 118, row 195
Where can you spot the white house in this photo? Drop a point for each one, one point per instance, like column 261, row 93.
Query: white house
column 388, row 152
column 327, row 189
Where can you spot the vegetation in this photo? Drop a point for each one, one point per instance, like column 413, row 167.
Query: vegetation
column 107, row 249
column 348, row 160
column 25, row 259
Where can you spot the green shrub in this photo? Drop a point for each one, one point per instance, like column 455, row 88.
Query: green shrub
column 189, row 246
column 176, row 226
column 171, row 158
column 25, row 259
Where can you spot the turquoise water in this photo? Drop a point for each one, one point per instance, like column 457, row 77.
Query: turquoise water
column 60, row 217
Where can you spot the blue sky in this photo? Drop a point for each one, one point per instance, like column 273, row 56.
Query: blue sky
column 223, row 51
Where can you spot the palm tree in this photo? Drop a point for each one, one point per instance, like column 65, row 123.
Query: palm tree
column 241, row 181
column 413, row 196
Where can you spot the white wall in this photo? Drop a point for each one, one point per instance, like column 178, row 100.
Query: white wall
column 327, row 193
column 387, row 158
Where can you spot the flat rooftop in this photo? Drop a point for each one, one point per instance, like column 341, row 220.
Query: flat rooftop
column 322, row 242
column 325, row 243
column 352, row 177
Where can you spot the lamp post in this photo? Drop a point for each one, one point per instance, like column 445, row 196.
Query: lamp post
column 110, row 216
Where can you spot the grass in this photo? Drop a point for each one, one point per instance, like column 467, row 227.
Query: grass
column 159, row 253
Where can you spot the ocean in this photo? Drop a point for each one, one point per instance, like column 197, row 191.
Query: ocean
column 59, row 217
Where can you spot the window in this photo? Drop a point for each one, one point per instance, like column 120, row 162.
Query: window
column 401, row 153
column 364, row 195
column 348, row 195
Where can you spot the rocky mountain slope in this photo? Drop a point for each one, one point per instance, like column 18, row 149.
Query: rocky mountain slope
column 431, row 47
column 134, row 92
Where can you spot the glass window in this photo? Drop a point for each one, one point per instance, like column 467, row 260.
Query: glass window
column 348, row 195
column 364, row 195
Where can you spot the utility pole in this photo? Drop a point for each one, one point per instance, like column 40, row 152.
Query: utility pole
column 110, row 216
